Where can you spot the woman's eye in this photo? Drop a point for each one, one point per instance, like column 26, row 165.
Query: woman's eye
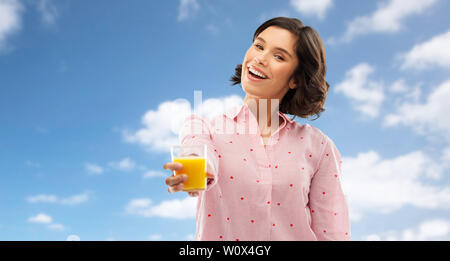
column 279, row 57
column 259, row 46
column 262, row 48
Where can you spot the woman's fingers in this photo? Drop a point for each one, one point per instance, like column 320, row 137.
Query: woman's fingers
column 175, row 180
column 173, row 166
column 175, row 183
column 173, row 189
column 193, row 194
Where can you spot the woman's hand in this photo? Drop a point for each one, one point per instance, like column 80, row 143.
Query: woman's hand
column 175, row 183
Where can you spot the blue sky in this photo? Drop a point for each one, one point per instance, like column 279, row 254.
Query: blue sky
column 87, row 89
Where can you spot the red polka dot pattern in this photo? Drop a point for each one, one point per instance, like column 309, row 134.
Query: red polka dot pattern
column 304, row 166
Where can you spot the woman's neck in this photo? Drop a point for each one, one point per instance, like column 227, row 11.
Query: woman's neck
column 265, row 112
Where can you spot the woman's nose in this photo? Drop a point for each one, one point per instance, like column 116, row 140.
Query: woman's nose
column 261, row 59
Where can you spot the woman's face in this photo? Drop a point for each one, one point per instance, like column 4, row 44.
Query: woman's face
column 272, row 54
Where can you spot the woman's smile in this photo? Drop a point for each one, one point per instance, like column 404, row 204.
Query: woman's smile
column 255, row 75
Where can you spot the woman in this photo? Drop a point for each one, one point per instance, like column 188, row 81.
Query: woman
column 270, row 177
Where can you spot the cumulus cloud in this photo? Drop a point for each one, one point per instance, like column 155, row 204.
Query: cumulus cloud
column 383, row 185
column 73, row 238
column 10, row 20
column 187, row 8
column 388, row 18
column 40, row 218
column 434, row 229
column 365, row 93
column 155, row 237
column 48, row 11
column 430, row 54
column 312, row 7
column 154, row 173
column 59, row 227
column 43, row 218
column 161, row 126
column 213, row 29
column 125, row 164
column 32, row 164
column 72, row 200
column 174, row 208
column 93, row 168
column 428, row 118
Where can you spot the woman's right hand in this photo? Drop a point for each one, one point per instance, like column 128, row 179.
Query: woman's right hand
column 175, row 183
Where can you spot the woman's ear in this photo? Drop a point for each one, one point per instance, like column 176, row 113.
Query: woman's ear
column 292, row 83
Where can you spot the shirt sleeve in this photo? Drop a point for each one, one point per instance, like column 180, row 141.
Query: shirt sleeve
column 327, row 202
column 197, row 130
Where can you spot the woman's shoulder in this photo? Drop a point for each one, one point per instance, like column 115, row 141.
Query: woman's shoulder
column 307, row 130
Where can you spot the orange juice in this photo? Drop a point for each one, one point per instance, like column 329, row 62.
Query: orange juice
column 195, row 169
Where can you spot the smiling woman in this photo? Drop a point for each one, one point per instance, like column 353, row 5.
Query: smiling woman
column 280, row 184
column 290, row 42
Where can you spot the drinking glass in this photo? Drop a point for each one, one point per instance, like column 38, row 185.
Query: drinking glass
column 193, row 159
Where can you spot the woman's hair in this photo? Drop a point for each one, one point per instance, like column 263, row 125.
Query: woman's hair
column 309, row 97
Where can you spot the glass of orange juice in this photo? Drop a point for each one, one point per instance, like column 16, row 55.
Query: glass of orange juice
column 193, row 159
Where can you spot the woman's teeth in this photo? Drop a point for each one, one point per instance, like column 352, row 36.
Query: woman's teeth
column 257, row 73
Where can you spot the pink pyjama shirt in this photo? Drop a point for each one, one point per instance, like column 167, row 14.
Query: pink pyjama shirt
column 287, row 190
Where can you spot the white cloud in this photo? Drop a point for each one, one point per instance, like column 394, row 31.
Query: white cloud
column 312, row 7
column 154, row 173
column 425, row 118
column 214, row 107
column 40, row 218
column 42, row 198
column 10, row 20
column 388, row 18
column 435, row 229
column 373, row 184
column 365, row 93
column 173, row 208
column 187, row 8
column 48, row 11
column 399, row 86
column 56, row 227
column 402, row 92
column 73, row 200
column 124, row 165
column 213, row 29
column 161, row 127
column 43, row 218
column 73, row 238
column 155, row 237
column 32, row 164
column 406, row 91
column 432, row 53
column 93, row 168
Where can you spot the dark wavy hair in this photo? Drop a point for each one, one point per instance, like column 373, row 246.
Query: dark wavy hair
column 309, row 97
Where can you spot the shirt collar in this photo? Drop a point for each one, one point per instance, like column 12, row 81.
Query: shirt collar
column 236, row 110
